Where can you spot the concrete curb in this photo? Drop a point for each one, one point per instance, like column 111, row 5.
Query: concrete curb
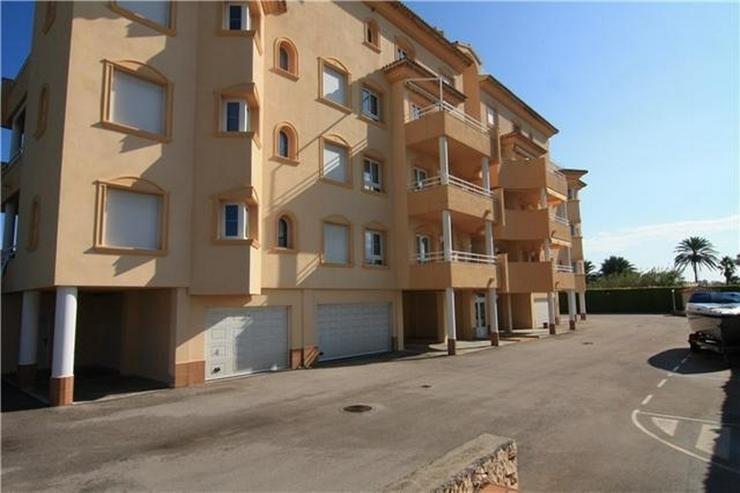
column 486, row 460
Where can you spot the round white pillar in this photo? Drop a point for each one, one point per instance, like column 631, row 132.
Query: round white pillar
column 582, row 302
column 65, row 326
column 493, row 315
column 572, row 308
column 450, row 315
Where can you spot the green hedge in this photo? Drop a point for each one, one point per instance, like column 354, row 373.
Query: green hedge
column 635, row 300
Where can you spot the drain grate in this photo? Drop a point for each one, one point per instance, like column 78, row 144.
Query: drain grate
column 358, row 408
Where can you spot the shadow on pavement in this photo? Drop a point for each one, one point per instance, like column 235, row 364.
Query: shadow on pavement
column 14, row 399
column 701, row 362
column 724, row 474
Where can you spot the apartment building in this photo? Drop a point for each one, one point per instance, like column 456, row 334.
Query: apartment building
column 203, row 190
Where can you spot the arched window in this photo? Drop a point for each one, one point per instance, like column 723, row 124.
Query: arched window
column 286, row 58
column 284, row 239
column 286, row 143
column 283, row 144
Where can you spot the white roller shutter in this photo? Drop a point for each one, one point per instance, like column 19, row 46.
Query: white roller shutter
column 539, row 312
column 246, row 340
column 353, row 329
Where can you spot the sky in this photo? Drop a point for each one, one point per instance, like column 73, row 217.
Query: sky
column 645, row 96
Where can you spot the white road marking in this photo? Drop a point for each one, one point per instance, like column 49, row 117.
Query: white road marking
column 685, row 418
column 647, row 399
column 667, row 426
column 676, row 447
column 675, row 368
column 714, row 440
column 662, row 382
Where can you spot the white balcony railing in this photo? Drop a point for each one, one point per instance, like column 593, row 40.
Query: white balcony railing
column 455, row 256
column 436, row 181
column 442, row 105
column 560, row 219
column 563, row 268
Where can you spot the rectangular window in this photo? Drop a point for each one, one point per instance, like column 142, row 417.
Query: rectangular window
column 420, row 176
column 371, row 177
column 235, row 116
column 415, row 111
column 491, row 116
column 335, row 85
column 234, row 221
column 370, row 104
column 236, row 17
column 336, row 243
column 335, row 162
column 158, row 12
column 374, row 248
column 137, row 103
column 132, row 220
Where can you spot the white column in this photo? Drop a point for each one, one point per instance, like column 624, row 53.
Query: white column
column 9, row 225
column 65, row 326
column 493, row 315
column 572, row 308
column 489, row 239
column 29, row 328
column 450, row 314
column 582, row 300
column 444, row 161
column 447, row 235
column 485, row 173
column 551, row 311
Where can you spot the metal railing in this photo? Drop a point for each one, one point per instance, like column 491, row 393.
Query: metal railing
column 563, row 268
column 455, row 256
column 7, row 255
column 452, row 111
column 560, row 219
column 454, row 181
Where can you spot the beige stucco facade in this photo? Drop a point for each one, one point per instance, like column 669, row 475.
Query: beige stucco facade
column 473, row 218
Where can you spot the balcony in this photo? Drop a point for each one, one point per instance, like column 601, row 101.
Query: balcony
column 430, row 196
column 580, row 282
column 576, row 249
column 464, row 270
column 530, row 277
column 574, row 211
column 532, row 174
column 564, row 277
column 468, row 138
column 531, row 225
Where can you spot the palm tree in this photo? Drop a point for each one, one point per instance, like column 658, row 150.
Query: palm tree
column 695, row 251
column 590, row 271
column 616, row 265
column 727, row 266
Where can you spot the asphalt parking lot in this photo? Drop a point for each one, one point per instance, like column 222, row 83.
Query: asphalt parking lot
column 619, row 405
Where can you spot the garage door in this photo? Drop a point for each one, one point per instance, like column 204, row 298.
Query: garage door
column 246, row 340
column 540, row 312
column 354, row 329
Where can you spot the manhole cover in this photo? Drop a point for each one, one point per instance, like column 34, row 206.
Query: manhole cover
column 358, row 408
column 587, row 343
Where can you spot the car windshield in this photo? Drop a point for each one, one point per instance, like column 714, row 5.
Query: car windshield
column 715, row 297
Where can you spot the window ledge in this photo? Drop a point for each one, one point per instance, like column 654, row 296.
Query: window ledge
column 375, row 266
column 329, row 181
column 238, row 33
column 234, row 135
column 373, row 47
column 117, row 127
column 334, row 104
column 110, row 250
column 323, row 263
column 285, row 73
column 377, row 123
column 375, row 193
column 236, row 241
column 283, row 250
column 286, row 160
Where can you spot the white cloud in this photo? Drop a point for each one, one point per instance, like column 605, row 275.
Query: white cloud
column 616, row 242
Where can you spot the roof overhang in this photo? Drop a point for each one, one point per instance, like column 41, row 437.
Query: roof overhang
column 495, row 88
column 405, row 69
column 519, row 139
column 418, row 29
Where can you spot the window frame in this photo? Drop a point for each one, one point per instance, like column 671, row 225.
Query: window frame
column 242, row 195
column 132, row 185
column 338, row 142
column 245, row 18
column 291, row 233
column 242, row 219
column 371, row 26
column 337, row 221
column 369, row 257
column 491, row 110
column 379, row 102
column 243, row 119
column 292, row 134
column 169, row 30
column 292, row 72
column 419, row 240
column 406, row 46
column 373, row 160
column 415, row 170
column 148, row 74
column 336, row 66
column 246, row 93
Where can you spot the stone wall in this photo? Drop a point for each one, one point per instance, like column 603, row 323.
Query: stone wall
column 484, row 461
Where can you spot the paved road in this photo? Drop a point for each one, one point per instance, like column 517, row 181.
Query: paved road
column 577, row 404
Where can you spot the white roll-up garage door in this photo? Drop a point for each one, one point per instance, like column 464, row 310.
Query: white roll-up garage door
column 353, row 329
column 540, row 312
column 246, row 340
